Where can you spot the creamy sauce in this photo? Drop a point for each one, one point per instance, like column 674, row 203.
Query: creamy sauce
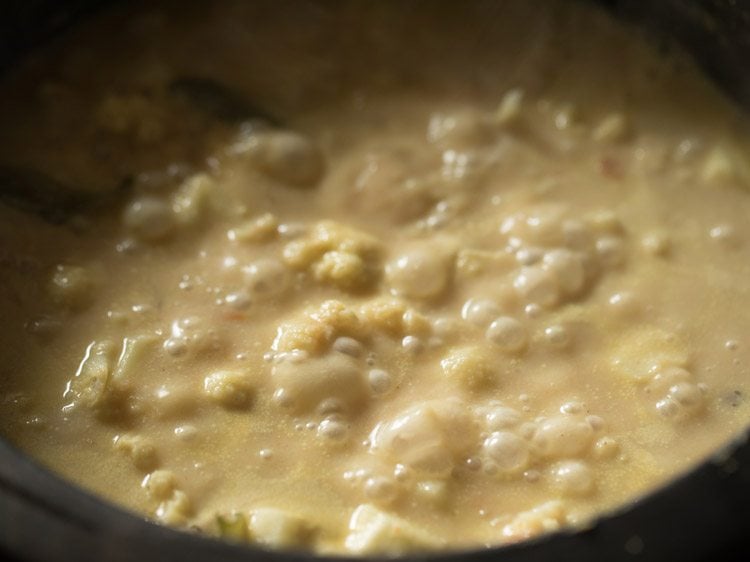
column 483, row 276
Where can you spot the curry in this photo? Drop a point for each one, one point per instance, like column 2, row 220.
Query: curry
column 370, row 278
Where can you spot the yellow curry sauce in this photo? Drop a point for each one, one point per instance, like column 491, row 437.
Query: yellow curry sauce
column 475, row 271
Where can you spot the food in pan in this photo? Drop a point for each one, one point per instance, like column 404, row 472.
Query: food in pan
column 372, row 277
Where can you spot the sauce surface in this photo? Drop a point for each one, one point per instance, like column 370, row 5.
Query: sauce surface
column 370, row 279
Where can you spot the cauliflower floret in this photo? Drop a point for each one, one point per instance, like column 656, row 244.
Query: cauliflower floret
column 230, row 389
column 386, row 315
column 192, row 201
column 473, row 367
column 343, row 269
column 159, row 484
column 315, row 330
column 336, row 254
column 176, row 510
column 544, row 518
column 140, row 450
column 260, row 229
column 372, row 531
column 394, row 318
column 278, row 529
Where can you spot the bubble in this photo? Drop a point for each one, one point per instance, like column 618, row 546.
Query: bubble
column 420, row 273
column 228, row 262
column 568, row 268
column 286, row 156
column 149, row 218
column 348, row 346
column 573, row 407
column 563, row 436
column 445, row 327
column 480, row 312
column 611, row 251
column 330, row 406
column 532, row 310
column 557, row 336
column 266, row 278
column 401, row 472
column 537, row 286
column 564, row 119
column 379, row 380
column 724, row 234
column 185, row 432
column 239, row 300
column 381, row 489
column 295, row 356
column 667, row 377
column 596, row 422
column 507, row 333
column 606, row 448
column 501, row 417
column 463, row 129
column 433, row 491
column 683, row 400
column 291, row 230
column 412, row 344
column 667, row 407
column 624, row 303
column 687, row 149
column 541, row 227
column 457, row 165
column 175, row 346
column 507, row 450
column 190, row 322
column 529, row 255
column 281, row 398
column 333, row 429
column 657, row 244
column 573, row 477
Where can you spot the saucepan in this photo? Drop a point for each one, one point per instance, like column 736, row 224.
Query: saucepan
column 701, row 515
